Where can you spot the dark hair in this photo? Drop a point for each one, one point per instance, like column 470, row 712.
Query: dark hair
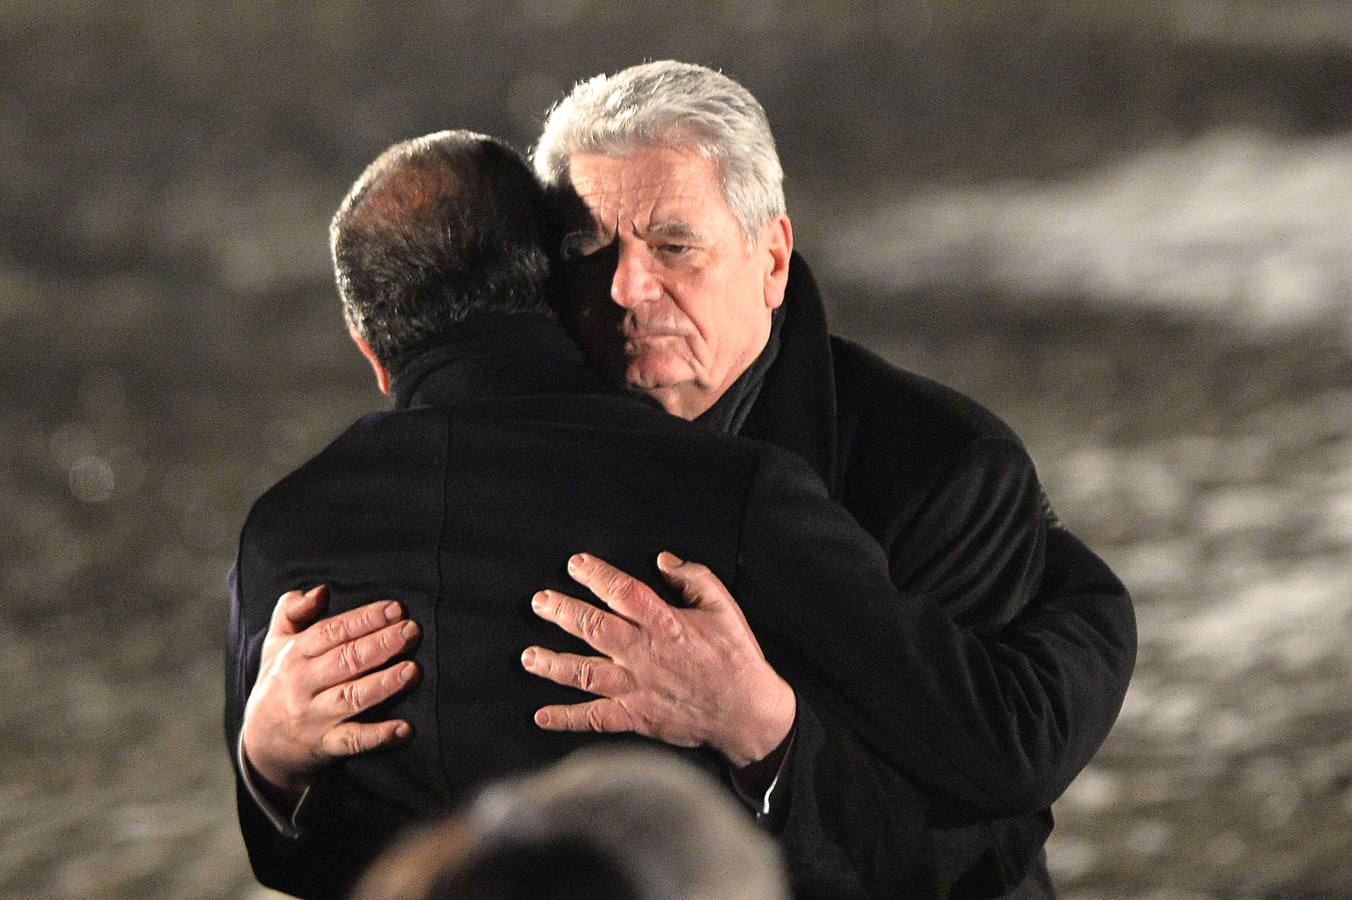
column 438, row 229
column 557, row 869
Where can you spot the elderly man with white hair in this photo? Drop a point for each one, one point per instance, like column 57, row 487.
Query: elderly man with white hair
column 686, row 289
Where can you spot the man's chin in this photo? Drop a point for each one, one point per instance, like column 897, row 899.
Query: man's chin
column 648, row 376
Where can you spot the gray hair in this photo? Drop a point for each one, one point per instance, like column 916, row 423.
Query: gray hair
column 669, row 103
column 674, row 832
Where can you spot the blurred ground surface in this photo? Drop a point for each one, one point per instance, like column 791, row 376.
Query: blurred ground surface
column 1123, row 228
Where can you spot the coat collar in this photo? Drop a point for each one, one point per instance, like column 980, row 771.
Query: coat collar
column 505, row 355
column 494, row 355
column 796, row 408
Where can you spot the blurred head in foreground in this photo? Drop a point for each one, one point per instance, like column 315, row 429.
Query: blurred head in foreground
column 630, row 825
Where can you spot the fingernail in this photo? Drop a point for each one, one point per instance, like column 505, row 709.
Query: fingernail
column 407, row 671
column 528, row 657
column 541, row 717
column 538, row 601
column 409, row 631
column 392, row 612
column 668, row 560
column 402, row 730
column 576, row 560
column 314, row 591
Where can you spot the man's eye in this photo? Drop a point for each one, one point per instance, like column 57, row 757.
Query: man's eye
column 674, row 249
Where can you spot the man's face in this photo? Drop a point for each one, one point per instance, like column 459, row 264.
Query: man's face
column 667, row 296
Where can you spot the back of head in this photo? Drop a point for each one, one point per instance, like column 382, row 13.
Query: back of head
column 600, row 825
column 456, row 860
column 436, row 230
column 670, row 103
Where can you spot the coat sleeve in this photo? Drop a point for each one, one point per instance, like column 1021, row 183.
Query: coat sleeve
column 999, row 722
column 337, row 827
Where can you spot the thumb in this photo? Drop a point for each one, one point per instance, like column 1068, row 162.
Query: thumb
column 296, row 609
column 698, row 585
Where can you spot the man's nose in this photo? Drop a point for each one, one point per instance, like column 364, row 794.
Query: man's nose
column 634, row 282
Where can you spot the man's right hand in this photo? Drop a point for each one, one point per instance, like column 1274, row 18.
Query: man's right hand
column 313, row 678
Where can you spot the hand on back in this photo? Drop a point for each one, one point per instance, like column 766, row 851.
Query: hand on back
column 315, row 675
column 686, row 676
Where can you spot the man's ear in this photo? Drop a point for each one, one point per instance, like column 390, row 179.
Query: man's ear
column 382, row 376
column 776, row 243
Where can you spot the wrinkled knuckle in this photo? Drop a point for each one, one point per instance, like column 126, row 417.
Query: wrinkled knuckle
column 629, row 593
column 586, row 675
column 615, row 584
column 347, row 660
column 353, row 743
column 333, row 630
column 589, row 622
column 596, row 718
column 349, row 696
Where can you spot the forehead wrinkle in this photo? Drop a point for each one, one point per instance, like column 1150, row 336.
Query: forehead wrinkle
column 644, row 214
column 622, row 182
column 650, row 192
column 643, row 199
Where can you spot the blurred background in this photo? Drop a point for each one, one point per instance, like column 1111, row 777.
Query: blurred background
column 1124, row 227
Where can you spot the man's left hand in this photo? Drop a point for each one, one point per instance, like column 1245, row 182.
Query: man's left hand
column 686, row 677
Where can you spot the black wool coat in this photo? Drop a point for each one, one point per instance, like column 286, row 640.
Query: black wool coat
column 951, row 495
column 505, row 457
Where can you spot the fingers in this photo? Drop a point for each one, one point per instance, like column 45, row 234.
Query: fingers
column 601, row 630
column 296, row 609
column 334, row 631
column 345, row 700
column 604, row 715
column 619, row 590
column 353, row 658
column 593, row 674
column 702, row 589
column 696, row 581
column 352, row 738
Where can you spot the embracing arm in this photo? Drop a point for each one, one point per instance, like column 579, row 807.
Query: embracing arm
column 841, row 797
column 1000, row 721
column 837, row 793
column 292, row 686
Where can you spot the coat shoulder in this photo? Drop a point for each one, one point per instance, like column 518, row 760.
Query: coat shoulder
column 376, row 441
column 917, row 414
column 380, row 475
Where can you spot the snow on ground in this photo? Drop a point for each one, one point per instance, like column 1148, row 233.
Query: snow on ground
column 1237, row 225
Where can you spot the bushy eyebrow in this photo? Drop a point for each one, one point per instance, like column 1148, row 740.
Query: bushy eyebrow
column 671, row 230
column 674, row 230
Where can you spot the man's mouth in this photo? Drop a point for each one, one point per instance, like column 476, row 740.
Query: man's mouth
column 649, row 335
column 646, row 331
